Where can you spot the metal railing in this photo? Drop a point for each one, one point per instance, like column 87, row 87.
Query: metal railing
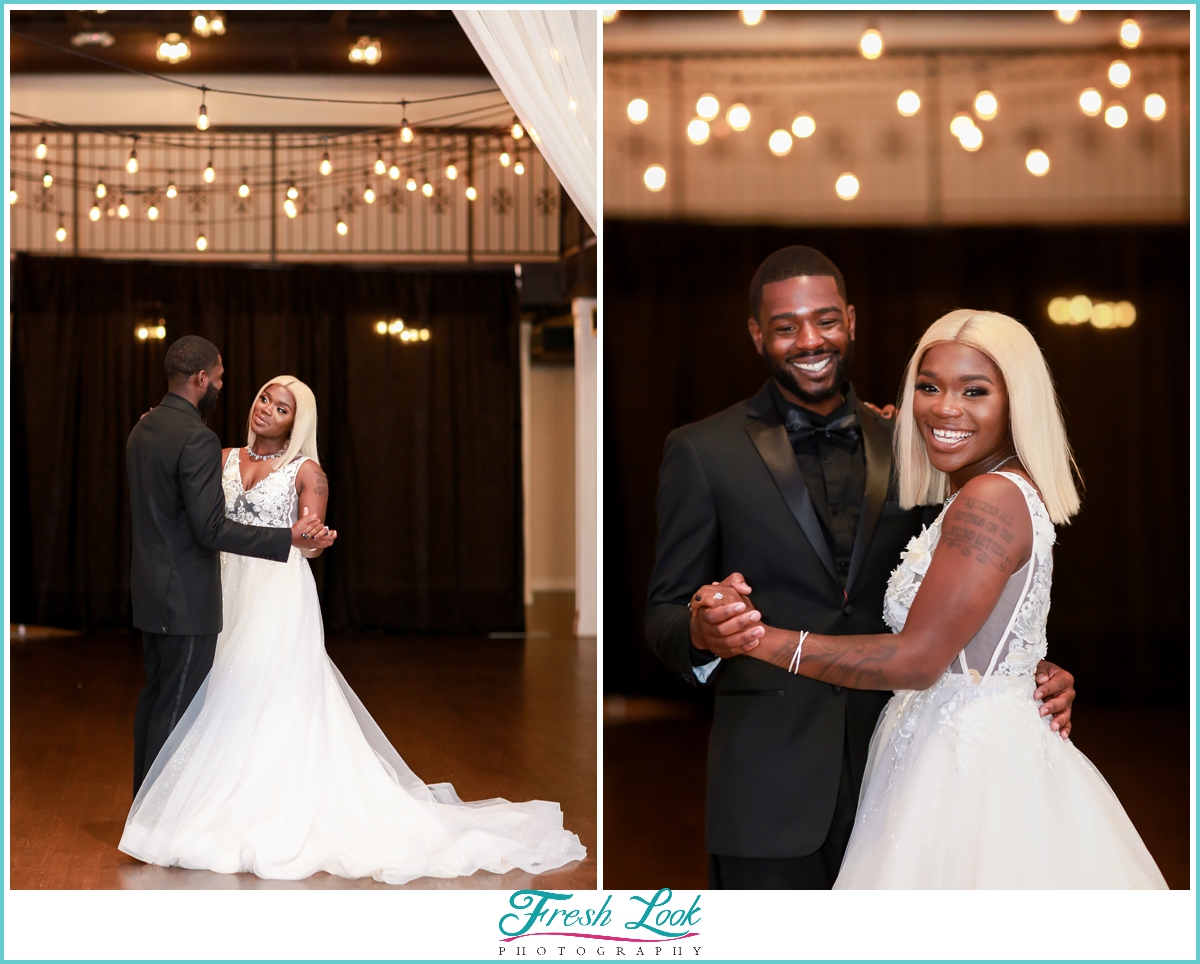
column 264, row 194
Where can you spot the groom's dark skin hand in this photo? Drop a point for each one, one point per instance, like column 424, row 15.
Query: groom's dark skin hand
column 731, row 626
column 310, row 532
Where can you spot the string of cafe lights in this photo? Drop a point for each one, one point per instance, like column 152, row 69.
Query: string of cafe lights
column 986, row 105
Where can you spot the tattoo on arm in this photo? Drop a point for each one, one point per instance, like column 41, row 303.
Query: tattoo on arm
column 321, row 483
column 982, row 529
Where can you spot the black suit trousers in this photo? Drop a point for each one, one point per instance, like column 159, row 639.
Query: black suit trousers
column 175, row 667
column 816, row 871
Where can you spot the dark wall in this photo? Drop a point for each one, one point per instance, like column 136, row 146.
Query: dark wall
column 676, row 350
column 421, row 443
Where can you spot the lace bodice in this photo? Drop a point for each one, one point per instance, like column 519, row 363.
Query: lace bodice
column 273, row 501
column 1013, row 640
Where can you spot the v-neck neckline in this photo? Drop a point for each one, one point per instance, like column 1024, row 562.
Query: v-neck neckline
column 242, row 482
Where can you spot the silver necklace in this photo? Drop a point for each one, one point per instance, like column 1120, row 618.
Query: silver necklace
column 950, row 498
column 263, row 458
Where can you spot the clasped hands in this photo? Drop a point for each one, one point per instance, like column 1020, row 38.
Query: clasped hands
column 310, row 533
column 726, row 624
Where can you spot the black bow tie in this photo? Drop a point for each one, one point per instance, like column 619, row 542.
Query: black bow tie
column 843, row 432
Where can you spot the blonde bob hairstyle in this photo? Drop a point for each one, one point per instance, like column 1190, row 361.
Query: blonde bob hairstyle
column 1034, row 418
column 303, row 439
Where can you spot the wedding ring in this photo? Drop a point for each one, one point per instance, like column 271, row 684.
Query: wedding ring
column 718, row 596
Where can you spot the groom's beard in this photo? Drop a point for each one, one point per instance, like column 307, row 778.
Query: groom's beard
column 209, row 401
column 786, row 377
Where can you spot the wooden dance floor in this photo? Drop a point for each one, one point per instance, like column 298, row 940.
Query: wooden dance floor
column 512, row 718
column 654, row 814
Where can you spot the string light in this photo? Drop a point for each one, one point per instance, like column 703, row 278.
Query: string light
column 1119, row 73
column 243, row 188
column 172, row 48
column 452, row 170
column 122, row 210
column 202, row 117
column 341, row 227
column 1067, row 14
column 986, row 105
column 394, row 172
column 1131, row 34
column 908, row 103
column 411, row 183
column 201, row 242
column 471, row 192
column 210, row 173
column 61, row 234
column 505, row 160
column 406, row 133
column 803, row 125
column 1155, row 106
column 47, row 178
column 94, row 213
column 12, row 195
column 426, row 186
column 152, row 212
column 131, row 165
column 517, row 130
column 380, row 167
column 396, row 326
column 381, row 327
column 1090, row 101
column 326, row 167
column 289, row 207
column 870, row 44
column 41, row 150
column 101, row 189
column 846, row 187
column 610, row 15
column 637, row 110
column 738, row 117
column 368, row 195
column 697, row 130
column 1115, row 115
column 207, row 25
column 780, row 142
column 972, row 139
column 961, row 124
column 708, row 107
column 1037, row 162
column 368, row 51
column 752, row 16
column 293, row 192
column 172, row 190
column 655, row 177
column 519, row 168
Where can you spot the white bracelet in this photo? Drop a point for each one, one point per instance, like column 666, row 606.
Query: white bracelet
column 794, row 665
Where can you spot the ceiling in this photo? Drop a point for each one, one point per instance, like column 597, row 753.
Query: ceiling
column 414, row 42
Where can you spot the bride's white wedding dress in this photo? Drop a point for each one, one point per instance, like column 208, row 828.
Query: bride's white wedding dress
column 276, row 767
column 966, row 786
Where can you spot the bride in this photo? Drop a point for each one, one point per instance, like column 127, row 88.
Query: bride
column 277, row 768
column 966, row 785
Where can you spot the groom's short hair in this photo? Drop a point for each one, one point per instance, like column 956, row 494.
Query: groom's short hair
column 795, row 261
column 188, row 355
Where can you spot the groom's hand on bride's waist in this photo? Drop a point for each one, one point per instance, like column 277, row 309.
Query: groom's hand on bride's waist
column 724, row 622
column 1056, row 690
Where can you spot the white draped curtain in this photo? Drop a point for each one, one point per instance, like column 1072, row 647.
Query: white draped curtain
column 545, row 62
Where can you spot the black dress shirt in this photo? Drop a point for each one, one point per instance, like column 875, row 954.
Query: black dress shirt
column 836, row 477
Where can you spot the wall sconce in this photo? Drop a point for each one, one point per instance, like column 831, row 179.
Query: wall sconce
column 150, row 332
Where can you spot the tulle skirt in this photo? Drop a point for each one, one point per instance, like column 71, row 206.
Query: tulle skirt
column 276, row 768
column 967, row 787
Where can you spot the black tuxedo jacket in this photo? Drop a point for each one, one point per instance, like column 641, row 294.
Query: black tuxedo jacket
column 179, row 524
column 731, row 498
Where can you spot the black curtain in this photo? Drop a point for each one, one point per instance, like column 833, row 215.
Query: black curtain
column 421, row 442
column 676, row 350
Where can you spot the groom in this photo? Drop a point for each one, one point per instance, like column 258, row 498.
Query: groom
column 793, row 492
column 179, row 529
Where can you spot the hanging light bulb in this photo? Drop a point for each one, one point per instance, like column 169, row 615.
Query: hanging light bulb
column 101, row 190
column 505, row 160
column 846, row 187
column 517, row 130
column 41, row 150
column 216, row 24
column 1115, row 114
column 655, row 177
column 243, row 188
column 131, row 165
column 202, row 118
column 803, row 125
column 201, row 242
column 870, row 44
column 61, row 234
column 610, row 15
column 47, row 178
column 293, row 193
column 210, row 173
column 326, row 167
column 1090, row 102
column 411, row 183
column 1131, row 34
column 368, row 195
column 471, row 192
column 738, row 117
column 780, row 142
column 289, row 208
column 637, row 110
column 519, row 168
column 697, row 130
column 752, row 16
column 1155, row 107
column 394, row 171
column 172, row 190
column 1119, row 73
column 972, row 139
column 12, row 196
column 986, row 105
column 427, row 187
column 94, row 214
column 1067, row 14
column 122, row 210
column 707, row 107
column 452, row 171
column 152, row 212
column 341, row 227
column 406, row 133
column 1037, row 162
column 380, row 167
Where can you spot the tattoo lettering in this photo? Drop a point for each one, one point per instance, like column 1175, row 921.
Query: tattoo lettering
column 321, row 484
column 973, row 530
